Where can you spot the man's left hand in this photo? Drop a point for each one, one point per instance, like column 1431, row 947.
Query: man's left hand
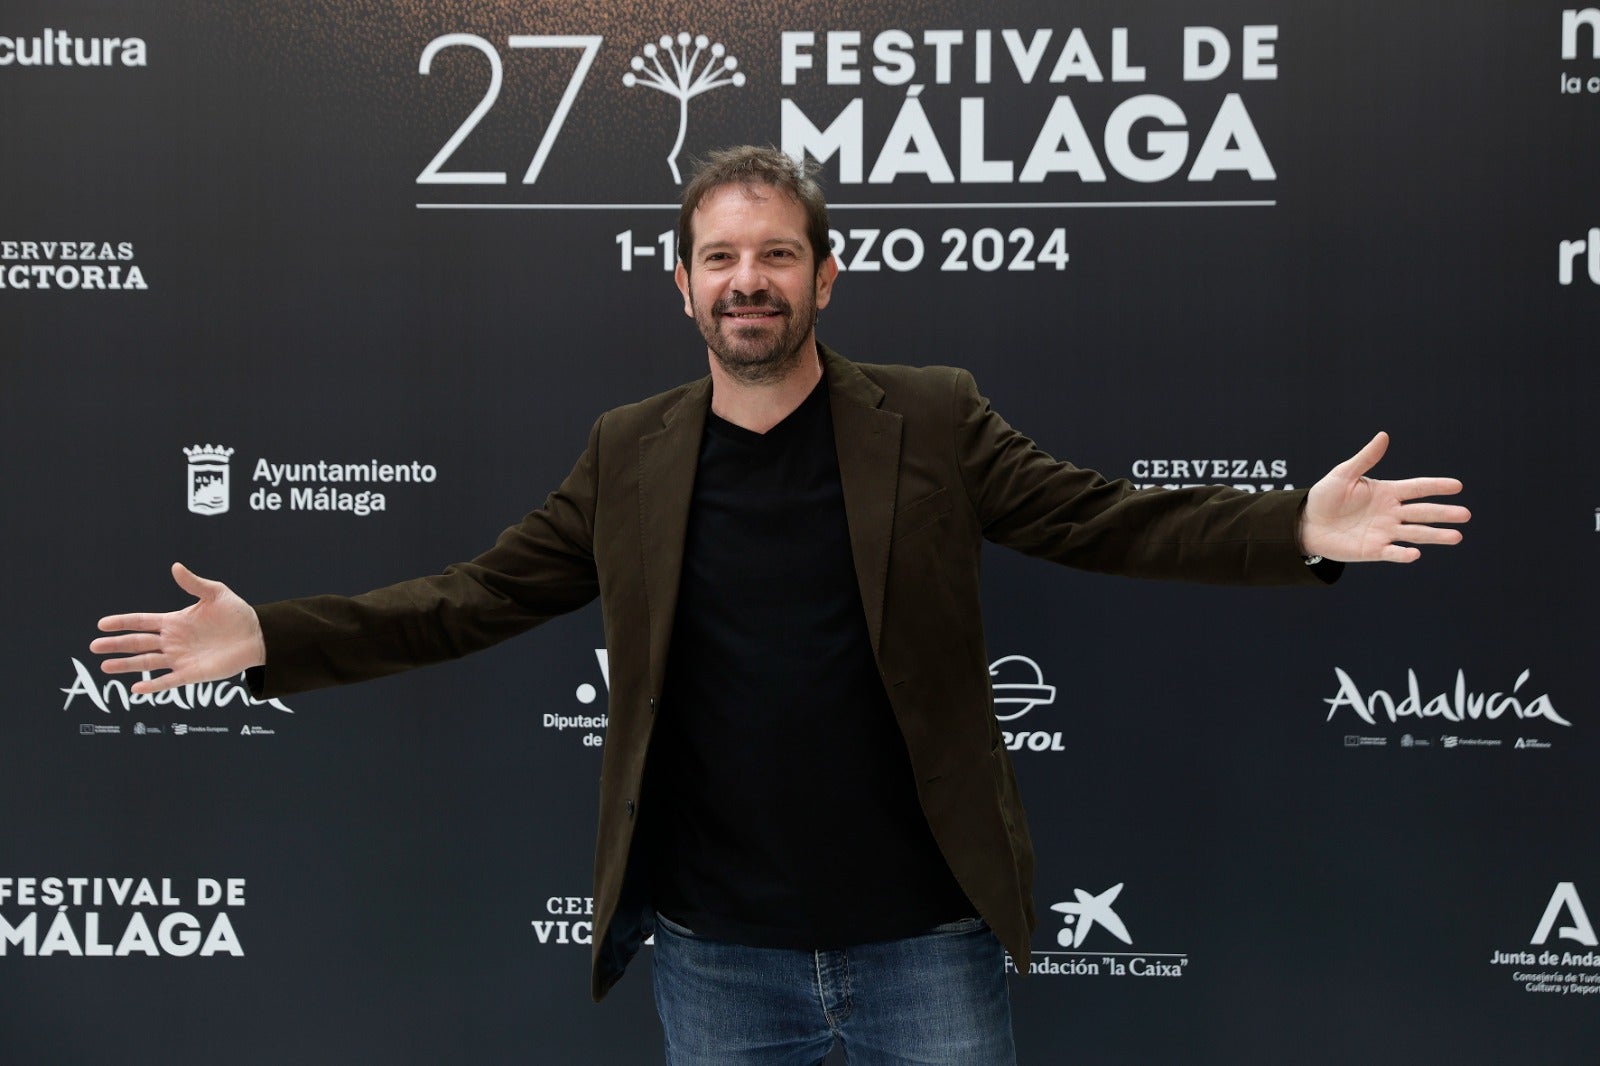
column 1352, row 518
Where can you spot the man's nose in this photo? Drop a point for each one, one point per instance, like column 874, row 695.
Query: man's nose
column 749, row 278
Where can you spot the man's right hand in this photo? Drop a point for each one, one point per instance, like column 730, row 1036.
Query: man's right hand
column 215, row 638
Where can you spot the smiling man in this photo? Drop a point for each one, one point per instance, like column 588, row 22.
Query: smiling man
column 803, row 791
column 757, row 313
column 753, row 277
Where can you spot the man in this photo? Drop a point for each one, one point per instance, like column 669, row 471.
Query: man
column 803, row 793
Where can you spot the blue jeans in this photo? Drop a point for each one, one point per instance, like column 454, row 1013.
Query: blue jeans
column 937, row 999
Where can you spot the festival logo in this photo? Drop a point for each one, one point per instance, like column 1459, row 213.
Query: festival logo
column 941, row 136
column 1101, row 116
column 1145, row 139
column 208, row 478
column 683, row 82
column 82, row 917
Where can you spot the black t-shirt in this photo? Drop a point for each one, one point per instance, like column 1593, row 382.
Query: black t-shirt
column 781, row 808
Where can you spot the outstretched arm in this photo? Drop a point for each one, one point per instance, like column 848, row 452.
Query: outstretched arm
column 541, row 567
column 218, row 636
column 1356, row 519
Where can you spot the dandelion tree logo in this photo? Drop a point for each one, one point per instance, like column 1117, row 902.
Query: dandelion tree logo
column 683, row 82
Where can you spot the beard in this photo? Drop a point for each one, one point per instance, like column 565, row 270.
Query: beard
column 755, row 353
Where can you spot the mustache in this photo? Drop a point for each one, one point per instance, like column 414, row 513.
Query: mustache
column 754, row 301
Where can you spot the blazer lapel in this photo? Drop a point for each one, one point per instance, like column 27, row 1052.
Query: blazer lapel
column 667, row 461
column 868, row 442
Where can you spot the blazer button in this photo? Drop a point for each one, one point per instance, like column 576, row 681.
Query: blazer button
column 629, row 805
column 652, row 705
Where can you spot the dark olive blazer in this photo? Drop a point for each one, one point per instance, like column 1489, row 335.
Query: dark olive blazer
column 930, row 472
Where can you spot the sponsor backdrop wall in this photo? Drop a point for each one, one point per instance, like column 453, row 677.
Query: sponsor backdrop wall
column 315, row 297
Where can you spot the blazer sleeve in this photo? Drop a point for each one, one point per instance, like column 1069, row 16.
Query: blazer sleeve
column 1027, row 500
column 540, row 568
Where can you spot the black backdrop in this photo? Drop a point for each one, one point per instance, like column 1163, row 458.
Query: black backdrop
column 1398, row 235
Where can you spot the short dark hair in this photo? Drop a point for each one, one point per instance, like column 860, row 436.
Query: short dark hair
column 749, row 165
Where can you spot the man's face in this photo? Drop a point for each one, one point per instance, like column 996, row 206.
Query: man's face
column 752, row 285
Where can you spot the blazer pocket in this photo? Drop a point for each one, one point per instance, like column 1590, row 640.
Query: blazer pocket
column 920, row 514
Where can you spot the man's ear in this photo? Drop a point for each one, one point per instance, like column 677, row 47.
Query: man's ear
column 681, row 276
column 825, row 275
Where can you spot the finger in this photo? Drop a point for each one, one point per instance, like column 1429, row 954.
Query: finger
column 133, row 664
column 1427, row 535
column 1433, row 512
column 1367, row 458
column 1413, row 488
column 116, row 623
column 193, row 583
column 159, row 684
column 1399, row 553
column 127, row 644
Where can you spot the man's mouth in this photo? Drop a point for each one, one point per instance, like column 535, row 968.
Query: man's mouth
column 749, row 315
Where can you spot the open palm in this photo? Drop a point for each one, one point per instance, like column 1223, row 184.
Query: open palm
column 217, row 636
column 1356, row 519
